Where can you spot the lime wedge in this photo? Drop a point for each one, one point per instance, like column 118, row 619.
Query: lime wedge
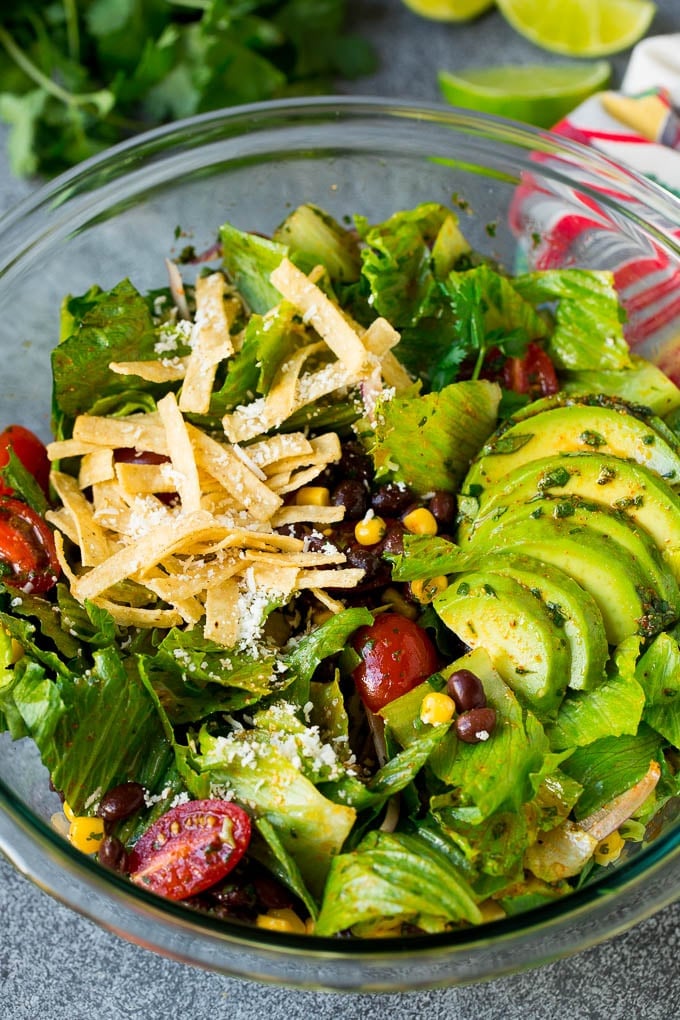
column 537, row 94
column 580, row 28
column 449, row 10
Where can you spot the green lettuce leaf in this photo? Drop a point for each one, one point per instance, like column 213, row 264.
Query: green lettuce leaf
column 193, row 677
column 95, row 730
column 249, row 261
column 588, row 331
column 428, row 556
column 394, row 877
column 613, row 708
column 428, row 441
column 116, row 325
column 310, row 827
column 658, row 672
column 611, row 765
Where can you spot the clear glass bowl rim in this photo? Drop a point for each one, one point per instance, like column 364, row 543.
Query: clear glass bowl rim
column 662, row 857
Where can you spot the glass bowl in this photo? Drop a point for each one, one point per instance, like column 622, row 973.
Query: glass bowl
column 520, row 193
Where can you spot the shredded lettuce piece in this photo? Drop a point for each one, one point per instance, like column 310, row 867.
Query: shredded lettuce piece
column 394, row 877
column 588, row 331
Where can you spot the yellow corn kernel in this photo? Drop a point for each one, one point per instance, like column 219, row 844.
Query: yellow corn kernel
column 370, row 530
column 420, row 522
column 313, row 495
column 68, row 811
column 86, row 833
column 284, row 920
column 425, row 591
column 396, row 601
column 437, row 708
column 609, row 849
column 491, row 911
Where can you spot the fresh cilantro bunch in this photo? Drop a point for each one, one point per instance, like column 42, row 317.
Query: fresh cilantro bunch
column 78, row 75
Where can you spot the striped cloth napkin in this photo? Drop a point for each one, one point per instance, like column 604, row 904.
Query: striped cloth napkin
column 637, row 127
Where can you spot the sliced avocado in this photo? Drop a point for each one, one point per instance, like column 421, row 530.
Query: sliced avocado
column 573, row 429
column 609, row 572
column 571, row 607
column 619, row 484
column 579, row 513
column 517, row 630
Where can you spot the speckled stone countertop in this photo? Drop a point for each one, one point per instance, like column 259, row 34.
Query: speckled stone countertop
column 55, row 965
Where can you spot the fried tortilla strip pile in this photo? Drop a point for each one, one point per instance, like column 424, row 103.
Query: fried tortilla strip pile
column 166, row 524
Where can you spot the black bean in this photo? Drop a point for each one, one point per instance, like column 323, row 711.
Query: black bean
column 355, row 463
column 391, row 499
column 352, row 494
column 121, row 801
column 443, row 507
column 466, row 689
column 112, row 855
column 271, row 894
column 393, row 542
column 476, row 725
column 295, row 530
column 376, row 570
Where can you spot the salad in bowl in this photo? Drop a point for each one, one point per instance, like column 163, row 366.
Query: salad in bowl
column 345, row 600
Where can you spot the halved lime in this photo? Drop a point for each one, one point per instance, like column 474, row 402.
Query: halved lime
column 449, row 10
column 535, row 93
column 580, row 28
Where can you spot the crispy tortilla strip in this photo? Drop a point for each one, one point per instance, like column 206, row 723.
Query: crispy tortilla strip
column 320, row 312
column 251, row 420
column 181, row 453
column 307, row 513
column 267, row 452
column 278, row 581
column 139, row 518
column 210, row 343
column 139, row 432
column 222, row 613
column 299, row 559
column 64, row 521
column 380, row 337
column 94, row 544
column 234, row 475
column 164, row 371
column 140, row 479
column 108, row 496
column 131, row 616
column 96, row 467
column 345, row 578
column 140, row 556
column 63, row 448
column 334, row 605
column 182, row 579
column 242, row 538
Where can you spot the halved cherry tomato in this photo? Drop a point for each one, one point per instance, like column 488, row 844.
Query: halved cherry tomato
column 533, row 374
column 190, row 848
column 396, row 655
column 31, row 452
column 28, row 556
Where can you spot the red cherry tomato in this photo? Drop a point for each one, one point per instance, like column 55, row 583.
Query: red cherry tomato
column 190, row 848
column 30, row 451
column 533, row 374
column 28, row 557
column 396, row 655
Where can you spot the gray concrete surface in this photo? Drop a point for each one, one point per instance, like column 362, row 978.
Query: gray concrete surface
column 54, row 965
